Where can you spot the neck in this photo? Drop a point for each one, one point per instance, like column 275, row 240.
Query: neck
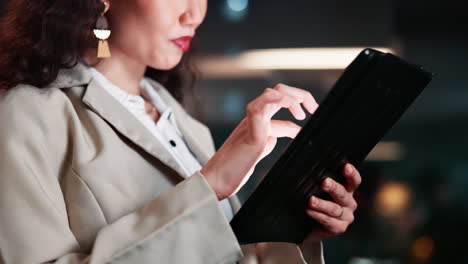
column 123, row 71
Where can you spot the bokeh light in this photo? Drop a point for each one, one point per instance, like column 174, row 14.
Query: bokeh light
column 392, row 199
column 235, row 10
column 238, row 5
column 422, row 249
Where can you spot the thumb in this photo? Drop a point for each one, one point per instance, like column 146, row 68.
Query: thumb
column 283, row 128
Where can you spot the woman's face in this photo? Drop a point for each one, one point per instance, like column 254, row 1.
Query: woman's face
column 154, row 32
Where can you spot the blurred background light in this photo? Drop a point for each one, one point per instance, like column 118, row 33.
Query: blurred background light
column 372, row 261
column 422, row 249
column 261, row 62
column 392, row 199
column 237, row 5
column 301, row 58
column 362, row 261
column 387, row 151
column 235, row 10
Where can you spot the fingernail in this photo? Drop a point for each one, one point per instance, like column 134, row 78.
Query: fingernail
column 302, row 116
column 313, row 200
column 349, row 169
column 327, row 183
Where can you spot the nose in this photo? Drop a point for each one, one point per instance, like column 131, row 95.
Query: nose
column 194, row 14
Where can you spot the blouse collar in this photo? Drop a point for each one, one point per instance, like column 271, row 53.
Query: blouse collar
column 133, row 101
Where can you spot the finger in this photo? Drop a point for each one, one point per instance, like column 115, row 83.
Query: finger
column 330, row 208
column 293, row 105
column 302, row 96
column 295, row 108
column 283, row 128
column 258, row 119
column 265, row 106
column 338, row 192
column 353, row 177
column 330, row 224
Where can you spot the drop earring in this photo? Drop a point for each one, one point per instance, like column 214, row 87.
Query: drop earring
column 102, row 32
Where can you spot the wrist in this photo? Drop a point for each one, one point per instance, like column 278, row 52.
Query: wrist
column 212, row 181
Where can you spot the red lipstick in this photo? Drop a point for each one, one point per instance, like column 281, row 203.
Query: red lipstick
column 183, row 42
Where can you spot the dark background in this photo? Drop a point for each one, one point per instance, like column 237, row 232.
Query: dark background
column 413, row 209
column 430, row 223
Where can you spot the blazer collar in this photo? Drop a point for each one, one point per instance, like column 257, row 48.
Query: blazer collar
column 103, row 104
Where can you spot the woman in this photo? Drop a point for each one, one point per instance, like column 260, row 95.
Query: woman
column 101, row 164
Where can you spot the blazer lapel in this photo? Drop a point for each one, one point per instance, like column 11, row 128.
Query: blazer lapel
column 196, row 135
column 101, row 102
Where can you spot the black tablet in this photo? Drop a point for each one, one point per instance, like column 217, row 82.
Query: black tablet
column 366, row 101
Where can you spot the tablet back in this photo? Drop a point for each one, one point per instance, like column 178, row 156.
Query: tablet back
column 366, row 101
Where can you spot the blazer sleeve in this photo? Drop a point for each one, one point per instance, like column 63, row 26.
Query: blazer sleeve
column 278, row 253
column 34, row 225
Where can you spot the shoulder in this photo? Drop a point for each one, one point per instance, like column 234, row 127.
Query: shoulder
column 28, row 97
column 27, row 109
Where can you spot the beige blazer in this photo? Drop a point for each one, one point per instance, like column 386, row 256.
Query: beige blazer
column 83, row 181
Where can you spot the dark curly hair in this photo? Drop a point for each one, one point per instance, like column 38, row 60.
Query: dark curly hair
column 40, row 37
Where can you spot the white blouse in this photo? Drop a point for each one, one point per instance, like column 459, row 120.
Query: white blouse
column 165, row 129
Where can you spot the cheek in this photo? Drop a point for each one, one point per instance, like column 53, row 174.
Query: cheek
column 144, row 31
column 157, row 29
column 159, row 16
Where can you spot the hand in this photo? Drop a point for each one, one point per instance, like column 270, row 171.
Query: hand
column 255, row 137
column 335, row 216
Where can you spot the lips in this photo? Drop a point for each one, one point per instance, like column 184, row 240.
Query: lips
column 183, row 42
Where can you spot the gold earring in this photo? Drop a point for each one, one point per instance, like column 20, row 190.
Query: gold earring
column 102, row 32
